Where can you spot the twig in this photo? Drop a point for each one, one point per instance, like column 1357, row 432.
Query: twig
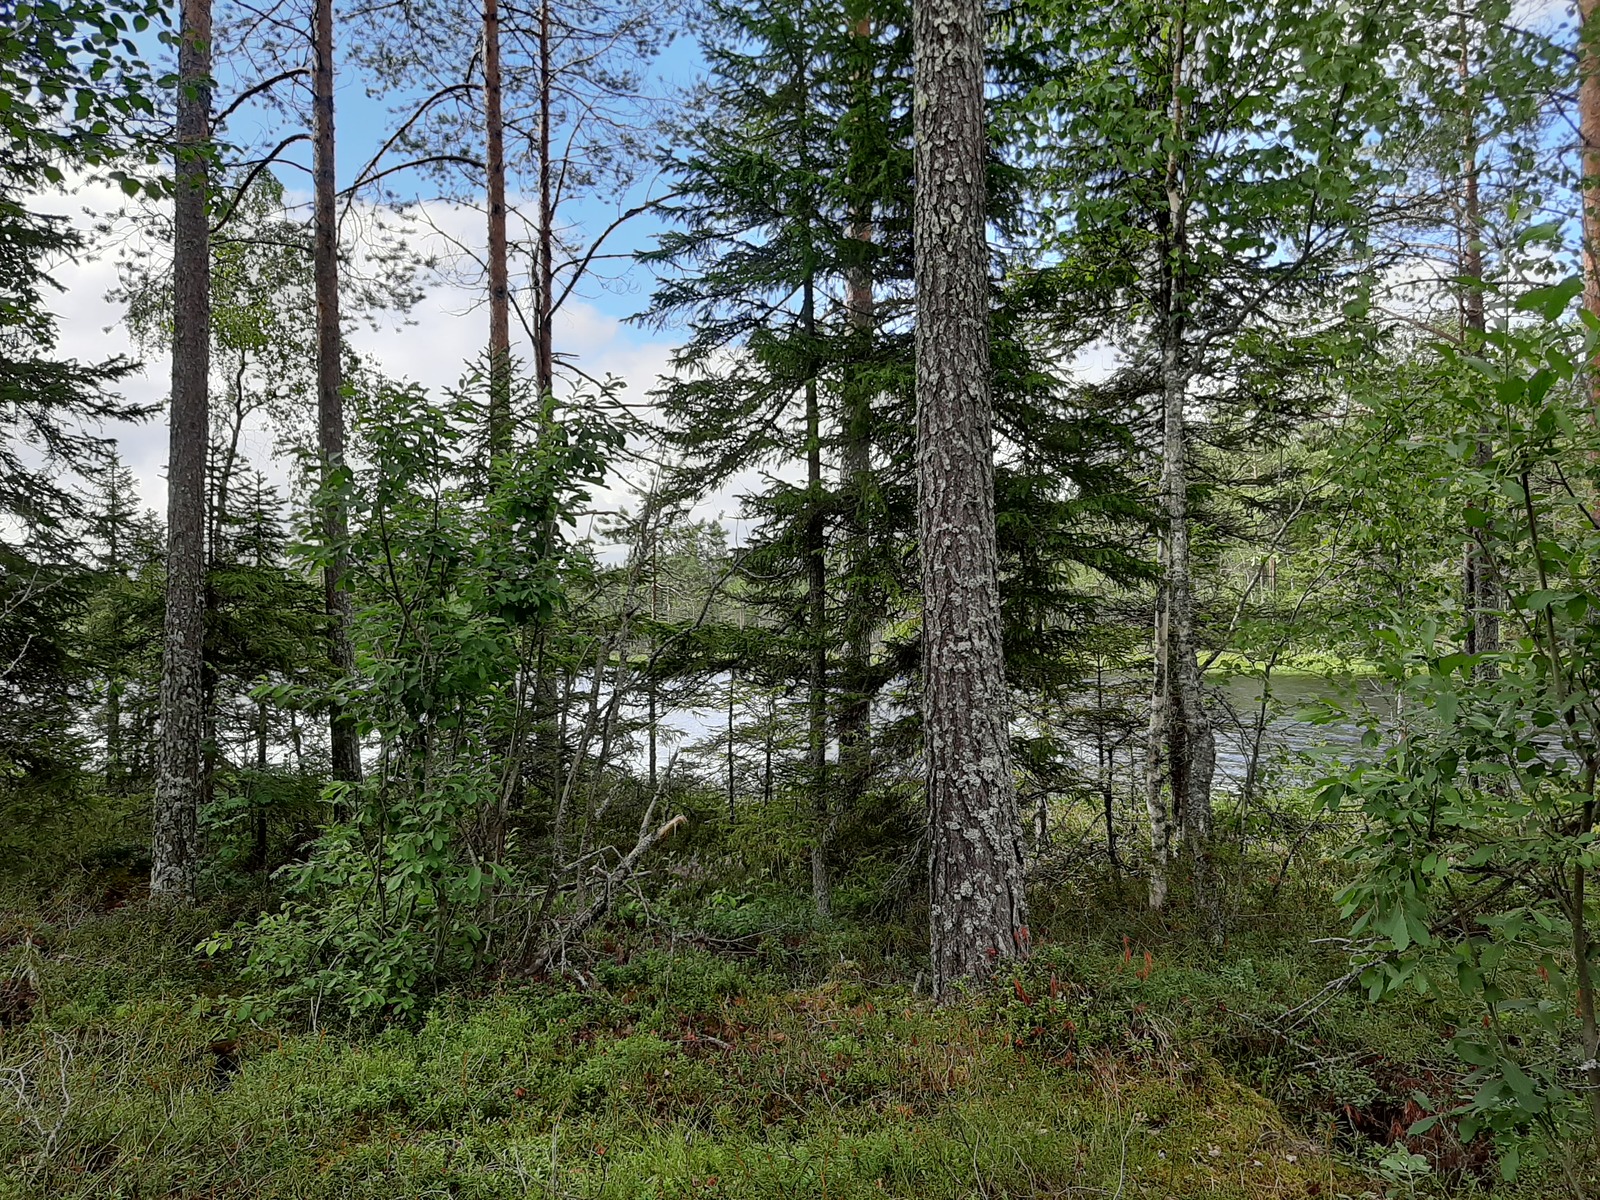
column 602, row 903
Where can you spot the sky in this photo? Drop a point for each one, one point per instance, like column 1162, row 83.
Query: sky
column 447, row 329
column 433, row 342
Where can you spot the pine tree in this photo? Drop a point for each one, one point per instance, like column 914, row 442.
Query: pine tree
column 977, row 910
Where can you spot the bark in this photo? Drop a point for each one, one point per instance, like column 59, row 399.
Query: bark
column 179, row 777
column 978, row 913
column 855, row 704
column 816, row 624
column 544, row 352
column 1182, row 747
column 116, row 773
column 499, row 258
column 1478, row 590
column 1589, row 165
column 344, row 740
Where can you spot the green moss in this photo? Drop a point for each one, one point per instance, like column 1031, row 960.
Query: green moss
column 682, row 1073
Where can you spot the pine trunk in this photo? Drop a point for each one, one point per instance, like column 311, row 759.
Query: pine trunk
column 179, row 778
column 344, row 740
column 499, row 259
column 978, row 913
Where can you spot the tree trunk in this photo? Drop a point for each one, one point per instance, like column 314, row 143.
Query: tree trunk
column 1182, row 749
column 978, row 913
column 499, row 260
column 179, row 775
column 1479, row 593
column 816, row 623
column 344, row 740
column 1589, row 165
column 545, row 351
column 855, row 704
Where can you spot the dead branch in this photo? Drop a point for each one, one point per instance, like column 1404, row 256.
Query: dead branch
column 602, row 903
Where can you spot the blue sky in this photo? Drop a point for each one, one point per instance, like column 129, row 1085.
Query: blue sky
column 444, row 332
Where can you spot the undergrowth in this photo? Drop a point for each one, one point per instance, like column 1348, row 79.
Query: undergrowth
column 737, row 1054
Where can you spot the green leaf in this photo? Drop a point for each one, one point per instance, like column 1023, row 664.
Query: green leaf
column 1550, row 301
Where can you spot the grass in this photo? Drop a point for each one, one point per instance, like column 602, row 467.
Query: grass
column 1118, row 1064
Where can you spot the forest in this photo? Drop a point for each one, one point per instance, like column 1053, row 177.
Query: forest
column 765, row 599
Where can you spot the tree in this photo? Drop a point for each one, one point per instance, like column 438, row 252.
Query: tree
column 978, row 912
column 796, row 148
column 342, row 733
column 1195, row 238
column 1589, row 164
column 180, row 782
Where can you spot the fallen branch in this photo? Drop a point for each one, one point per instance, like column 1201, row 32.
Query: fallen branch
column 602, row 903
column 1307, row 1009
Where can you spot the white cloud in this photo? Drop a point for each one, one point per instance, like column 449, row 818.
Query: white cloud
column 433, row 344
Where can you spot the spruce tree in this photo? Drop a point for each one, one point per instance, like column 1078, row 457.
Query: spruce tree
column 798, row 149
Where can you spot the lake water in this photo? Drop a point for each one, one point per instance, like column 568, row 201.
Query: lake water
column 1234, row 702
column 1237, row 705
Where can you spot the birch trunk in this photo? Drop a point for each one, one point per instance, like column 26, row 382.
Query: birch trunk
column 1182, row 753
column 978, row 913
column 855, row 714
column 1479, row 592
column 816, row 625
column 179, row 778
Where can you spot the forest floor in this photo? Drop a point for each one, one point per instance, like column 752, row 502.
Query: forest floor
column 735, row 1059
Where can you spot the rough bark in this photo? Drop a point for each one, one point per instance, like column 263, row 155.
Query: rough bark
column 344, row 740
column 179, row 777
column 978, row 913
column 499, row 257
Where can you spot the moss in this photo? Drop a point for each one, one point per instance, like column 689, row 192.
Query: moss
column 685, row 1073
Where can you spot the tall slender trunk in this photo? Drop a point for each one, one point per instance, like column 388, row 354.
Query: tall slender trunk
column 1478, row 590
column 855, row 712
column 116, row 771
column 652, row 686
column 546, row 744
column 816, row 618
column 344, row 740
column 1182, row 748
column 545, row 351
column 499, row 257
column 179, row 779
column 1589, row 166
column 977, row 910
